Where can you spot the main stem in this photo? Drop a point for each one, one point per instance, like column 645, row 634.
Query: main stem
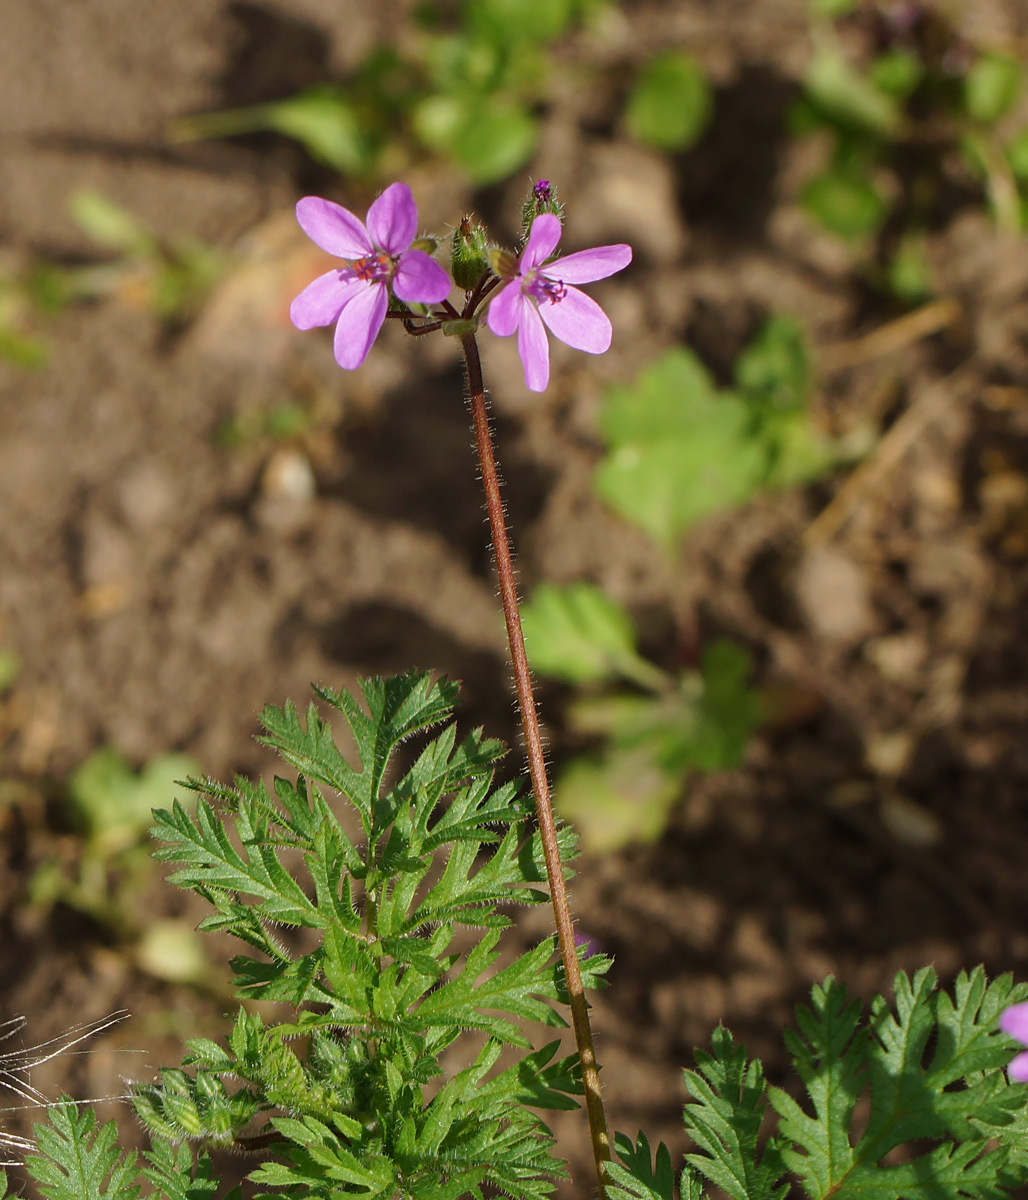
column 537, row 763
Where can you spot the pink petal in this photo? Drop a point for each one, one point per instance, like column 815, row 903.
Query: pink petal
column 542, row 242
column 419, row 278
column 533, row 347
column 505, row 309
column 393, row 219
column 586, row 266
column 1018, row 1069
column 322, row 301
column 359, row 323
column 333, row 227
column 1014, row 1021
column 578, row 321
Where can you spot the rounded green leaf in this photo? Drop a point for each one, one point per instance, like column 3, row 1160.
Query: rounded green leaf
column 846, row 95
column 488, row 137
column 845, row 203
column 328, row 127
column 897, row 72
column 671, row 103
column 494, row 140
column 992, row 86
column 534, row 20
column 614, row 800
column 580, row 634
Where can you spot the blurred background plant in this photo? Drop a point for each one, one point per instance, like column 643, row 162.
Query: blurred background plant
column 907, row 108
column 646, row 739
column 168, row 278
column 106, row 869
column 468, row 85
column 679, row 449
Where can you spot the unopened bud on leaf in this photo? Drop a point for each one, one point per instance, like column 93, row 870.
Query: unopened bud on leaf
column 429, row 244
column 469, row 254
column 541, row 199
column 503, row 263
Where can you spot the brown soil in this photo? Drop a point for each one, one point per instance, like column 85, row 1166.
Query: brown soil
column 160, row 589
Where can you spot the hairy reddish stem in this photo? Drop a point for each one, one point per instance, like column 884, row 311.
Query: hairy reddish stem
column 537, row 763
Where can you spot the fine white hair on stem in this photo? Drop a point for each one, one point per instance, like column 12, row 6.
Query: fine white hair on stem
column 16, row 1063
column 15, row 1066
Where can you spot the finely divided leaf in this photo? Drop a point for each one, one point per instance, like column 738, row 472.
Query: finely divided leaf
column 723, row 1117
column 78, row 1161
column 829, row 1054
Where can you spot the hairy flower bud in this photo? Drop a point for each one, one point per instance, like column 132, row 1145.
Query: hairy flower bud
column 541, row 199
column 503, row 263
column 469, row 255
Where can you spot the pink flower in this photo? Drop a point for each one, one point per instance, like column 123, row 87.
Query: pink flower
column 539, row 294
column 377, row 256
column 1014, row 1022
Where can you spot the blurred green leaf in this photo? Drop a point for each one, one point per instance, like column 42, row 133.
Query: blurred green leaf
column 486, row 135
column 896, row 73
column 114, row 803
column 845, row 202
column 678, row 449
column 496, row 138
column 578, row 633
column 908, row 273
column 1017, row 155
column 22, row 349
column 670, row 105
column 533, row 20
column 624, row 792
column 850, row 98
column 803, row 118
column 704, row 721
column 992, row 86
column 108, row 223
column 184, row 278
column 796, row 452
column 729, row 710
column 615, row 798
column 10, row 668
column 171, row 950
column 832, row 8
column 327, row 125
column 47, row 288
column 774, row 370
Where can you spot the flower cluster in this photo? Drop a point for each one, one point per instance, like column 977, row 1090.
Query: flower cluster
column 526, row 296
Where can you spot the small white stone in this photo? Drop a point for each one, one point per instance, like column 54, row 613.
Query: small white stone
column 834, row 595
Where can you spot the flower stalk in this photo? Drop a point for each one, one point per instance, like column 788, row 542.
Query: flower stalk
column 387, row 273
column 536, row 761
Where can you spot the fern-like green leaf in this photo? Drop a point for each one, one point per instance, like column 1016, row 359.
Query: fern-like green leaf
column 637, row 1179
column 79, row 1161
column 932, row 1064
column 829, row 1053
column 724, row 1114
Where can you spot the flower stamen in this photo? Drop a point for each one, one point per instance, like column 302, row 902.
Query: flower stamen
column 552, row 291
column 374, row 268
